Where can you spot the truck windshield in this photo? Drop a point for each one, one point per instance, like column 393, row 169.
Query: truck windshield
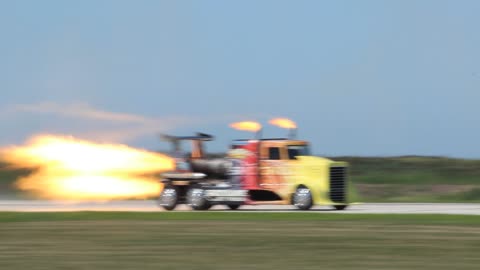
column 297, row 150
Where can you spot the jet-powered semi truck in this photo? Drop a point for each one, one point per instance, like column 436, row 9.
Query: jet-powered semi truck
column 254, row 171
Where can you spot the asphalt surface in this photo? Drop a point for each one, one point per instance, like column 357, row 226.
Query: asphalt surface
column 150, row 206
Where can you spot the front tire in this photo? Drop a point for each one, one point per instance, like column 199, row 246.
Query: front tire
column 302, row 198
column 168, row 199
column 196, row 199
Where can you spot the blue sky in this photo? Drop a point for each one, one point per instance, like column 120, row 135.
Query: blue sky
column 359, row 77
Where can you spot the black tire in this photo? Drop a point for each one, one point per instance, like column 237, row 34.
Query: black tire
column 233, row 206
column 168, row 199
column 302, row 198
column 340, row 207
column 196, row 198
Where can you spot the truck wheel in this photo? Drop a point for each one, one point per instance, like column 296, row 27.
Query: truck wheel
column 302, row 198
column 168, row 198
column 340, row 207
column 233, row 206
column 196, row 199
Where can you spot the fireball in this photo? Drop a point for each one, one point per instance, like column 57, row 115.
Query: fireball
column 72, row 169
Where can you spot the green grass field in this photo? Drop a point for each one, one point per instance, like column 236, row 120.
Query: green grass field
column 413, row 170
column 394, row 179
column 414, row 179
column 207, row 240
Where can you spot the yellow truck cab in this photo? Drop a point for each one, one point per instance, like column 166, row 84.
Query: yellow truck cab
column 289, row 174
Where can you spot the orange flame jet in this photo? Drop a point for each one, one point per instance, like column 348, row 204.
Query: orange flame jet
column 71, row 169
column 283, row 123
column 247, row 126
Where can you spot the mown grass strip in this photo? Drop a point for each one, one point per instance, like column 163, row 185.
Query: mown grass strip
column 414, row 219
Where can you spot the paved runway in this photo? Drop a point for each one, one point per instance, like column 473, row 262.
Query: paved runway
column 150, row 206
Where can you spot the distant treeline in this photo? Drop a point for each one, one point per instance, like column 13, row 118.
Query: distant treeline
column 413, row 169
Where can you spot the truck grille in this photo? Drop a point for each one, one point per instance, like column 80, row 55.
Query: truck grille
column 338, row 184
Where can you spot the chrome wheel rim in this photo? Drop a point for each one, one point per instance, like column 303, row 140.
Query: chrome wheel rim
column 302, row 197
column 168, row 197
column 195, row 197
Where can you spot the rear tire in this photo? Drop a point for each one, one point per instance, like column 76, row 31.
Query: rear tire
column 233, row 206
column 302, row 198
column 168, row 199
column 196, row 199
